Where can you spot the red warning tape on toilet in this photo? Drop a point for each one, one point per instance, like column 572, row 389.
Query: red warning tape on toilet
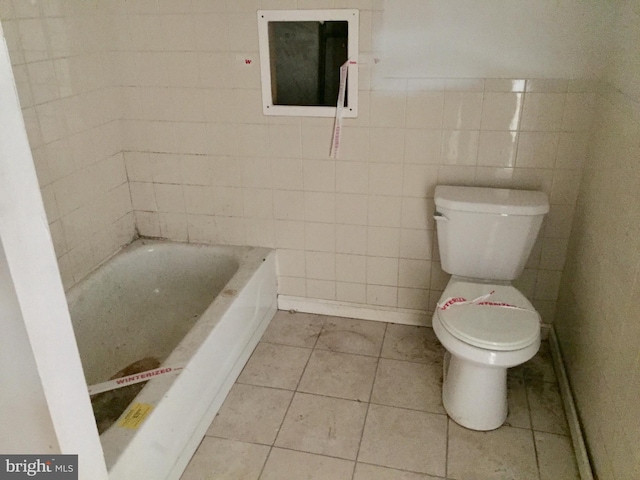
column 482, row 300
column 131, row 379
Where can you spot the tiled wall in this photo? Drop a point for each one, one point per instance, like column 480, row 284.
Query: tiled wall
column 598, row 315
column 64, row 71
column 205, row 165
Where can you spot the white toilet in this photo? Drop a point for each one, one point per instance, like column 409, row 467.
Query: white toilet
column 485, row 236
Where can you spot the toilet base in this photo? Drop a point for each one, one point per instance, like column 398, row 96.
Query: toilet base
column 474, row 396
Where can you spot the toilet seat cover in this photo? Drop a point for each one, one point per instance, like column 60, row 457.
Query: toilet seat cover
column 492, row 326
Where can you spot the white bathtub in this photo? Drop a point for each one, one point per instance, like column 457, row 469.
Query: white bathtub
column 200, row 307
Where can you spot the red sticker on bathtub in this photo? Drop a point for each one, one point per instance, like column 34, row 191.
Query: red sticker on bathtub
column 131, row 379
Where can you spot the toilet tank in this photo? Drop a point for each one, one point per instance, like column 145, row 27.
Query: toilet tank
column 487, row 233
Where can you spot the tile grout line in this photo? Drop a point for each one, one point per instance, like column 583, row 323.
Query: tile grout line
column 533, row 435
column 273, row 444
column 366, row 415
column 446, row 449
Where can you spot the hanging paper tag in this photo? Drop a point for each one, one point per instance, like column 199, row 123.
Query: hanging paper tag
column 337, row 126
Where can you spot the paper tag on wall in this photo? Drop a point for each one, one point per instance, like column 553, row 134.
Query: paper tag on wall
column 337, row 126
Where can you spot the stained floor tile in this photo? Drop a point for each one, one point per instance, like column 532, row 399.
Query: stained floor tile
column 295, row 329
column 288, row 464
column 373, row 472
column 401, row 438
column 506, row 453
column 343, row 399
column 339, row 375
column 251, row 414
column 323, row 425
column 410, row 385
column 414, row 344
column 278, row 366
column 547, row 411
column 352, row 336
column 221, row 459
column 555, row 457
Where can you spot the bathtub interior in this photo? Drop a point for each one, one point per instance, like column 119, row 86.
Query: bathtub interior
column 213, row 353
column 142, row 303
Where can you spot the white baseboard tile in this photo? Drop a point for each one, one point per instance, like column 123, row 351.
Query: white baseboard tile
column 402, row 316
column 579, row 447
column 354, row 310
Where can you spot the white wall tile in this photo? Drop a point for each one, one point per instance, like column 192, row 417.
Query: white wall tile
column 230, row 230
column 351, row 292
column 497, row 149
column 388, row 108
column 502, row 111
column 352, row 177
column 319, row 207
column 537, row 149
column 323, row 289
column 352, row 209
column 382, row 271
column 289, row 234
column 383, row 241
column 425, row 109
column 414, row 299
column 351, row 239
column 384, row 211
column 291, row 263
column 543, row 111
column 351, row 268
column 422, row 146
column 386, row 145
column 319, row 175
column 462, row 110
column 385, row 296
column 385, row 179
column 415, row 244
column 320, row 237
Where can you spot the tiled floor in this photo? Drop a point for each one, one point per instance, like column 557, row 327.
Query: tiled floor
column 334, row 398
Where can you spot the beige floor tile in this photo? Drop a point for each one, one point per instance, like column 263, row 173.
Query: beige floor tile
column 295, row 329
column 410, row 385
column 251, row 414
column 540, row 367
column 415, row 344
column 278, row 366
column 339, row 375
column 405, row 439
column 518, row 415
column 323, row 425
column 349, row 335
column 556, row 459
column 547, row 411
column 506, row 453
column 373, row 472
column 221, row 459
column 289, row 465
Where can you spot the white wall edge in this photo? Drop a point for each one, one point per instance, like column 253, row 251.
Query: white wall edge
column 354, row 310
column 33, row 268
column 579, row 447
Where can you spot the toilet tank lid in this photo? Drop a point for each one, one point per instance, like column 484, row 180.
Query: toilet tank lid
column 492, row 200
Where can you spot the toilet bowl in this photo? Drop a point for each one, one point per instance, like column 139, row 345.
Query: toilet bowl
column 485, row 236
column 482, row 340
